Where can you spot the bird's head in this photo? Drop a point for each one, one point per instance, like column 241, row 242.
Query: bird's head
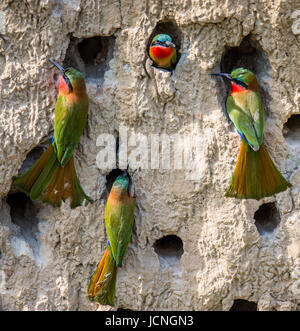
column 163, row 40
column 70, row 80
column 243, row 78
column 121, row 184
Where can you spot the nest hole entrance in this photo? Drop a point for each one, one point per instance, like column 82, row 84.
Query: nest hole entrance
column 243, row 305
column 171, row 28
column 31, row 158
column 90, row 56
column 267, row 218
column 291, row 130
column 23, row 213
column 169, row 250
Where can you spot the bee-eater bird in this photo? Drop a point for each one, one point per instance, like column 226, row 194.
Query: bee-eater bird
column 163, row 51
column 119, row 219
column 53, row 177
column 255, row 175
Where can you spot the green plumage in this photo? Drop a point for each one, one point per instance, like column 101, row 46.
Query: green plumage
column 70, row 118
column 246, row 109
column 255, row 175
column 53, row 177
column 119, row 219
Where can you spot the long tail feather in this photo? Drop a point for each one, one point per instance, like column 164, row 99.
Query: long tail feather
column 102, row 285
column 255, row 175
column 49, row 181
column 65, row 185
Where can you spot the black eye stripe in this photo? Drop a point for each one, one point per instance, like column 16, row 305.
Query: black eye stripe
column 67, row 80
column 239, row 82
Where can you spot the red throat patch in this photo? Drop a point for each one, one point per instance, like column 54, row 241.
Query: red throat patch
column 63, row 87
column 161, row 52
column 237, row 88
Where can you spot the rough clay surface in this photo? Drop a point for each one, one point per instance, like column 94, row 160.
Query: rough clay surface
column 47, row 266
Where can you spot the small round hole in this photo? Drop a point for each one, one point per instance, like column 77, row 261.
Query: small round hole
column 267, row 218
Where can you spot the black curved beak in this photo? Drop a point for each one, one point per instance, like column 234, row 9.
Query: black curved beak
column 228, row 76
column 63, row 71
column 58, row 66
column 125, row 173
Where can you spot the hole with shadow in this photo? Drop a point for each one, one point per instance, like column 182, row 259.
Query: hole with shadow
column 169, row 250
column 90, row 56
column 23, row 213
column 267, row 218
column 291, row 130
column 31, row 158
column 171, row 28
column 243, row 305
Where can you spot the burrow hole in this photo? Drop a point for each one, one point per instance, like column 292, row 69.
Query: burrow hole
column 243, row 305
column 267, row 218
column 90, row 56
column 172, row 29
column 291, row 130
column 33, row 155
column 169, row 250
column 249, row 55
column 23, row 213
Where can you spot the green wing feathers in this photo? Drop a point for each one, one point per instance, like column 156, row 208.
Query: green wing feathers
column 70, row 120
column 119, row 221
column 174, row 57
column 247, row 113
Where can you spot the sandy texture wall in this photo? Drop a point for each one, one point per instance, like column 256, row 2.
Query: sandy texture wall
column 221, row 249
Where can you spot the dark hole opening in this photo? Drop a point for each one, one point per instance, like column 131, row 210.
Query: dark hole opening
column 267, row 218
column 169, row 249
column 291, row 129
column 243, row 305
column 171, row 28
column 90, row 56
column 89, row 48
column 23, row 213
column 31, row 158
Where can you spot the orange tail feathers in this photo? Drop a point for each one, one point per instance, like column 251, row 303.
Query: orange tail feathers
column 255, row 175
column 102, row 285
column 48, row 181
